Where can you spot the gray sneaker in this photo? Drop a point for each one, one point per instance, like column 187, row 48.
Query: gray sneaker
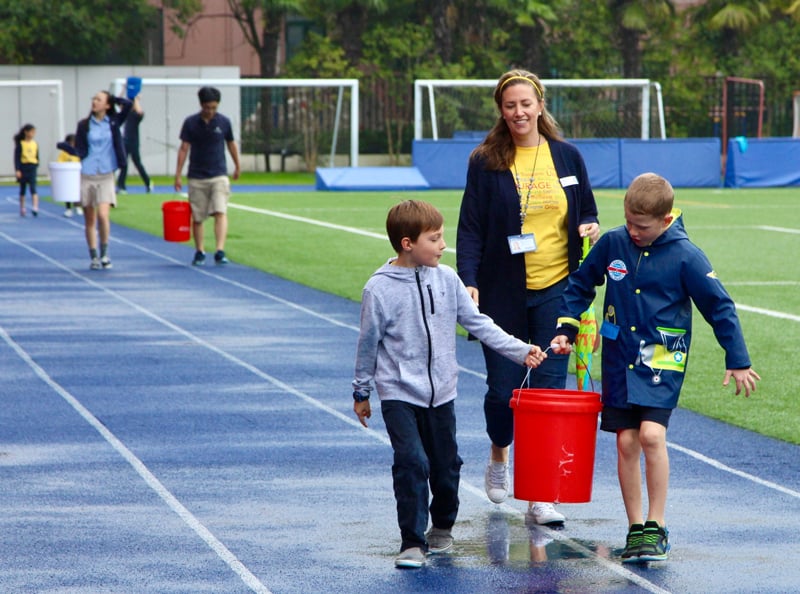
column 95, row 264
column 412, row 558
column 439, row 540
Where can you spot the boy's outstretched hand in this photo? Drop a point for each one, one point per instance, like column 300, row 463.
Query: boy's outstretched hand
column 363, row 411
column 535, row 357
column 744, row 378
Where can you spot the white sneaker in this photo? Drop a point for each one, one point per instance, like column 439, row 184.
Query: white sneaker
column 545, row 513
column 496, row 481
column 79, row 211
column 68, row 212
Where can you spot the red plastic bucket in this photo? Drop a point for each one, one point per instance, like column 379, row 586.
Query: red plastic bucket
column 177, row 220
column 555, row 432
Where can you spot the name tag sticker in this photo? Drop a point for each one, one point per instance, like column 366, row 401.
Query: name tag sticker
column 569, row 180
column 520, row 244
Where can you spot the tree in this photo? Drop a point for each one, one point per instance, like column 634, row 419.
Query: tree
column 345, row 21
column 634, row 21
column 534, row 22
column 74, row 31
column 730, row 20
column 443, row 14
column 261, row 23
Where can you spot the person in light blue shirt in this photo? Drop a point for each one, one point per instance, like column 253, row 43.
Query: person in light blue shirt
column 99, row 144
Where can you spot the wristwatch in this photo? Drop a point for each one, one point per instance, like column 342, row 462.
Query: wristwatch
column 360, row 396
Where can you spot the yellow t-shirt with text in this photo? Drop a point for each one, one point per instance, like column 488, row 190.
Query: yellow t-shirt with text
column 544, row 204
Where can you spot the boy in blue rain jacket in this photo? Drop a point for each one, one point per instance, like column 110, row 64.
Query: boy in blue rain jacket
column 653, row 273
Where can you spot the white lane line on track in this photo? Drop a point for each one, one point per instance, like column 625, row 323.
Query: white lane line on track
column 149, row 478
column 141, row 469
column 185, row 514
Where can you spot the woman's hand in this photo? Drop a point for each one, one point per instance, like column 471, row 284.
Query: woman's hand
column 473, row 292
column 590, row 230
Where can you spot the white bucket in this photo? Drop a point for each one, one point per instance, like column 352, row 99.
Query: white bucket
column 65, row 181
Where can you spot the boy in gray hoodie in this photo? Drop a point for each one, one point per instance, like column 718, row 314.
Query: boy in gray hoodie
column 407, row 346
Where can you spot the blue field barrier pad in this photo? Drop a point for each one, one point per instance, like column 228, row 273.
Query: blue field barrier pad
column 370, row 178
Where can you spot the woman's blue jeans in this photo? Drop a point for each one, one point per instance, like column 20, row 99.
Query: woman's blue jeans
column 503, row 376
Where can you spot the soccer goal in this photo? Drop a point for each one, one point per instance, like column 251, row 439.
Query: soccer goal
column 284, row 117
column 742, row 109
column 38, row 102
column 584, row 108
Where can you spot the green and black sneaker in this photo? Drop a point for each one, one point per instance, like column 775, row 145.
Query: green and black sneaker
column 655, row 545
column 633, row 544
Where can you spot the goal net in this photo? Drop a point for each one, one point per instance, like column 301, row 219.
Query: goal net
column 37, row 102
column 313, row 119
column 584, row 108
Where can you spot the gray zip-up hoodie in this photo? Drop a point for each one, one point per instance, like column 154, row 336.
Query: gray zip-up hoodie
column 407, row 342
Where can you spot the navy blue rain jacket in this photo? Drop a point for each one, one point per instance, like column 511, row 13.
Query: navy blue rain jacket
column 649, row 295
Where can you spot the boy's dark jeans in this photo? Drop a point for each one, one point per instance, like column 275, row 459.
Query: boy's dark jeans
column 425, row 452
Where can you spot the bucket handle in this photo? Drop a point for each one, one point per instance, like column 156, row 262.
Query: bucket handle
column 527, row 378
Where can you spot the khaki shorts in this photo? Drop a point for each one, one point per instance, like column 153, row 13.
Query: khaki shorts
column 98, row 189
column 209, row 196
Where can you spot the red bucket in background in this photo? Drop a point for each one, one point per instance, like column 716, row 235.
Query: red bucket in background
column 177, row 220
column 555, row 432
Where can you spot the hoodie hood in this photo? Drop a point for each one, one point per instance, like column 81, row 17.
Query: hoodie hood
column 675, row 232
column 402, row 273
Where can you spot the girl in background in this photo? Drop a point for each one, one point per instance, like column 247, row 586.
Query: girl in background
column 26, row 163
column 98, row 144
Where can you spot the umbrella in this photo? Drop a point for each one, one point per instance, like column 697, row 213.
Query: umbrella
column 586, row 340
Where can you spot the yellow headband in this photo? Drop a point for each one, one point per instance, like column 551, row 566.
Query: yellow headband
column 526, row 79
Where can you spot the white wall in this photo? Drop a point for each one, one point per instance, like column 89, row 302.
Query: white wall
column 165, row 108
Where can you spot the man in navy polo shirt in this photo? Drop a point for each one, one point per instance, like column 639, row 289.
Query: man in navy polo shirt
column 207, row 133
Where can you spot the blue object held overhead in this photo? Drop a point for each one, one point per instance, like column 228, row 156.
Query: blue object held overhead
column 133, row 86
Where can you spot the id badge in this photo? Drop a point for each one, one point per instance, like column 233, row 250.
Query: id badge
column 520, row 244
